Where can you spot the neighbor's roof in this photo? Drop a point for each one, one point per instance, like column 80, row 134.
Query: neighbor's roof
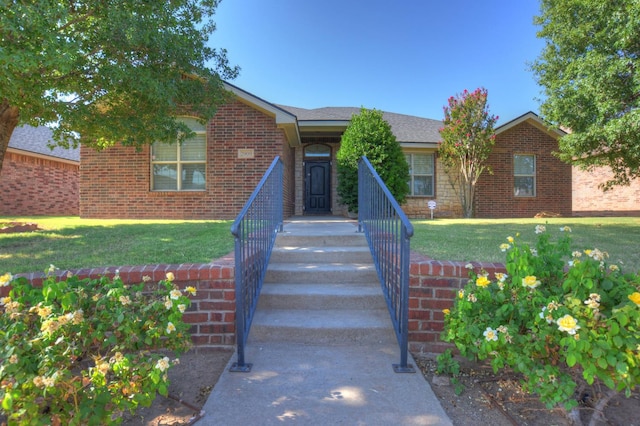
column 36, row 140
column 406, row 128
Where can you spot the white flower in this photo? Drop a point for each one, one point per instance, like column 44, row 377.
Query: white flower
column 182, row 307
column 490, row 334
column 170, row 328
column 565, row 229
column 468, row 266
column 540, row 229
column 163, row 364
column 175, row 294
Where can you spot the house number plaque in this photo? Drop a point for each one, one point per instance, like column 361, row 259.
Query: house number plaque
column 246, row 153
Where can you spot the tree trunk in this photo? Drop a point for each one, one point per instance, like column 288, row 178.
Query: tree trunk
column 9, row 116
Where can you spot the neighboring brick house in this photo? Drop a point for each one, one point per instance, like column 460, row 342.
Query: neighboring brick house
column 590, row 200
column 37, row 180
column 526, row 177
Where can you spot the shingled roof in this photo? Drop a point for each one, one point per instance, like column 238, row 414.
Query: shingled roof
column 406, row 128
column 37, row 139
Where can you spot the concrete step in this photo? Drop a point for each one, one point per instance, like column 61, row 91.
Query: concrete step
column 318, row 273
column 327, row 254
column 321, row 296
column 352, row 239
column 321, row 326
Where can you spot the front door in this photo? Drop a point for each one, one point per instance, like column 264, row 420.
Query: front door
column 317, row 187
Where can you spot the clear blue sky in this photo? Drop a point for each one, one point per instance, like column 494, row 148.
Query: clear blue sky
column 403, row 56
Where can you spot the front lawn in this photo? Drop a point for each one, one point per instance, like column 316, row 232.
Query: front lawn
column 73, row 243
column 479, row 239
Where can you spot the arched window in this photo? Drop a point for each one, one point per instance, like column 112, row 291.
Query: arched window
column 317, row 151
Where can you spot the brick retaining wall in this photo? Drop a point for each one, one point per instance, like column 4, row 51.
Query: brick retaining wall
column 433, row 287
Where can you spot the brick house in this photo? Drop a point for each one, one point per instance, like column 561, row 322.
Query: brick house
column 36, row 180
column 212, row 175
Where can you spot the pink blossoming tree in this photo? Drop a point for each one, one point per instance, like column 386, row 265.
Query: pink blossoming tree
column 467, row 141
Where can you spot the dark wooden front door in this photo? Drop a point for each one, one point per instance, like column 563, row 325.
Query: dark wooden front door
column 318, row 187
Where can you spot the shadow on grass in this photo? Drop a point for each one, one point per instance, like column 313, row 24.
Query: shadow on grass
column 115, row 245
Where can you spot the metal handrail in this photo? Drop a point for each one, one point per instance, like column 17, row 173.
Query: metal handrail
column 255, row 230
column 388, row 232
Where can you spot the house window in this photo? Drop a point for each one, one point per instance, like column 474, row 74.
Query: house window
column 524, row 175
column 317, row 151
column 421, row 173
column 180, row 167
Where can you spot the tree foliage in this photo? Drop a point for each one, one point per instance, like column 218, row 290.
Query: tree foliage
column 369, row 134
column 467, row 141
column 103, row 73
column 589, row 72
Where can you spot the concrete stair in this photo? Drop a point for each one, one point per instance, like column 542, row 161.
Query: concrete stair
column 321, row 288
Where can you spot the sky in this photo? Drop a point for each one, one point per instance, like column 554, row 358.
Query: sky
column 402, row 56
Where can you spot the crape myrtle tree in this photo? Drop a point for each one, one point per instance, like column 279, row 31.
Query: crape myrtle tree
column 467, row 139
column 369, row 134
column 103, row 72
column 589, row 70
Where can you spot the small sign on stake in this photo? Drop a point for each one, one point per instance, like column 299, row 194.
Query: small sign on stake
column 432, row 206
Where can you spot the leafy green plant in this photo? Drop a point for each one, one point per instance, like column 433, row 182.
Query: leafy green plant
column 369, row 134
column 83, row 351
column 449, row 366
column 563, row 319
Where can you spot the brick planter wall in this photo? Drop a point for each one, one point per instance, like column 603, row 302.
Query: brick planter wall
column 212, row 312
column 433, row 287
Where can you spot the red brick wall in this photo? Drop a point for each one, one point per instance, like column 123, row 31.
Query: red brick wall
column 433, row 286
column 212, row 311
column 115, row 183
column 589, row 200
column 494, row 193
column 33, row 186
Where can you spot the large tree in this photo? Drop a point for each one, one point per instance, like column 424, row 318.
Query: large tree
column 369, row 134
column 106, row 72
column 467, row 140
column 589, row 70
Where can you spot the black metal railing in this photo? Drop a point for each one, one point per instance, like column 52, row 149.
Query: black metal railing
column 255, row 230
column 388, row 233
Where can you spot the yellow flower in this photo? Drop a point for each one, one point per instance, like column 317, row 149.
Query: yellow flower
column 125, row 300
column 13, row 359
column 504, row 247
column 482, row 281
column 461, row 294
column 501, row 276
column 565, row 229
column 5, row 279
column 635, row 298
column 510, row 239
column 5, row 300
column 191, row 290
column 170, row 276
column 568, row 323
column 446, row 311
column 530, row 281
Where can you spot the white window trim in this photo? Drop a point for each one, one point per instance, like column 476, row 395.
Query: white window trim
column 178, row 162
column 411, row 175
column 533, row 176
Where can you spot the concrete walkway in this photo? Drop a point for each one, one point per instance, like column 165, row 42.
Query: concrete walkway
column 338, row 384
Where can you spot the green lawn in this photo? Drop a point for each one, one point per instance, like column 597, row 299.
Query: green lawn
column 479, row 239
column 72, row 243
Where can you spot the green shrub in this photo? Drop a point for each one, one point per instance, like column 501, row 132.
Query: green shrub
column 369, row 134
column 84, row 351
column 559, row 317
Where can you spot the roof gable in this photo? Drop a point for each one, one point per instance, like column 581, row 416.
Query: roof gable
column 533, row 119
column 36, row 140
